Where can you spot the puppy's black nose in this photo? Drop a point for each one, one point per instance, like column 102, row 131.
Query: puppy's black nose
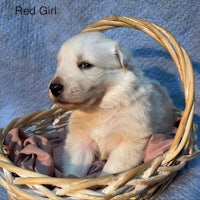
column 56, row 89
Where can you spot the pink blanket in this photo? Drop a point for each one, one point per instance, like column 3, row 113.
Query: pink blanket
column 43, row 153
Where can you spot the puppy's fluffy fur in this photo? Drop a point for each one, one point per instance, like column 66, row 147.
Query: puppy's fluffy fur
column 115, row 107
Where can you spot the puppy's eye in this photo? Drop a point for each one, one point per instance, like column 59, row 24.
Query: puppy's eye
column 85, row 65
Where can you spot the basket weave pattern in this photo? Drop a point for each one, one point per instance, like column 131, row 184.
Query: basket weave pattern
column 143, row 182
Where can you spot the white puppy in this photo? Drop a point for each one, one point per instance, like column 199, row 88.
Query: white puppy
column 115, row 107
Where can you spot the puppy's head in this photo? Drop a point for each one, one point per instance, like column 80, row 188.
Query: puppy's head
column 89, row 65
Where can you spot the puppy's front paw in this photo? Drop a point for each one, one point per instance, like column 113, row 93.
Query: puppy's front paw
column 124, row 157
column 77, row 159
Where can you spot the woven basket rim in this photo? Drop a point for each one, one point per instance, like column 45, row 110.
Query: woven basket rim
column 144, row 181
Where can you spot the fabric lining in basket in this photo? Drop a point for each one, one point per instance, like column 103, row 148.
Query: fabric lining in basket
column 43, row 153
column 143, row 182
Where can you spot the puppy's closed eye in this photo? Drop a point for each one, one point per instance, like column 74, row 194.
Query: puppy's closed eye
column 84, row 65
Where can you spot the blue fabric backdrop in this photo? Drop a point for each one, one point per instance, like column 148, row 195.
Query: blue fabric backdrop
column 29, row 43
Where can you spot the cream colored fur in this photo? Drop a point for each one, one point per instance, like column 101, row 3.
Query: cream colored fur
column 115, row 107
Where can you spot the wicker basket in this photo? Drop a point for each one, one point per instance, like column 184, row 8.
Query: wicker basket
column 143, row 182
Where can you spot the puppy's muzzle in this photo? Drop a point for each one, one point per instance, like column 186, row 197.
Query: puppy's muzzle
column 56, row 89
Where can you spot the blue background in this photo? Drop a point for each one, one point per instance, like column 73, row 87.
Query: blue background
column 29, row 44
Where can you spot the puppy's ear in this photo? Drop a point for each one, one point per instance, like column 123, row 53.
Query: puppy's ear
column 125, row 57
